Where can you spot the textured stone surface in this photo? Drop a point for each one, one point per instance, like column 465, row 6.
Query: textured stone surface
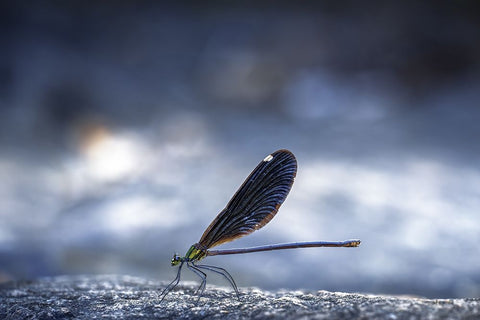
column 123, row 297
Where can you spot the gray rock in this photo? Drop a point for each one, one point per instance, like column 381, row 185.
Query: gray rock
column 124, row 297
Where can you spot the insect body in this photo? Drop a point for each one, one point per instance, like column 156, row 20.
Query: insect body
column 253, row 205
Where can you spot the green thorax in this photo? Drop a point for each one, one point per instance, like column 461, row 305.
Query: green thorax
column 195, row 253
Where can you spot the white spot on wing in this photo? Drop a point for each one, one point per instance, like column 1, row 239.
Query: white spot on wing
column 268, row 158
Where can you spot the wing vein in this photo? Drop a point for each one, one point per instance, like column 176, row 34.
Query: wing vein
column 256, row 201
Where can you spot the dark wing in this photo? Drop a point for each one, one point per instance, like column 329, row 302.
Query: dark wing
column 256, row 202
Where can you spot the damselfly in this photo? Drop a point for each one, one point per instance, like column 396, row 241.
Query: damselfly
column 253, row 205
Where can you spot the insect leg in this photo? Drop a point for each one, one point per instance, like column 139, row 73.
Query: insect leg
column 223, row 272
column 202, row 275
column 172, row 284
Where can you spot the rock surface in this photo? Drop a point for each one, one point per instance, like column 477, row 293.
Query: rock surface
column 124, row 297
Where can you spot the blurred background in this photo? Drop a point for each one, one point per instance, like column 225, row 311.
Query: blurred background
column 126, row 127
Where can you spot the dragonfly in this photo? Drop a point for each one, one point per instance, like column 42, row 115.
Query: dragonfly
column 254, row 204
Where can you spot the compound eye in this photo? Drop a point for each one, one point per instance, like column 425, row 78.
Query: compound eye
column 176, row 259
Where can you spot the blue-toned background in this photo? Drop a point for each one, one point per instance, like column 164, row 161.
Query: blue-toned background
column 126, row 127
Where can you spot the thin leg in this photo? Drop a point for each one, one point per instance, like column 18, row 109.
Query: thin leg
column 172, row 284
column 201, row 274
column 223, row 272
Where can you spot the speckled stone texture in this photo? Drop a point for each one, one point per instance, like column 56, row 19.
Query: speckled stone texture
column 123, row 297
